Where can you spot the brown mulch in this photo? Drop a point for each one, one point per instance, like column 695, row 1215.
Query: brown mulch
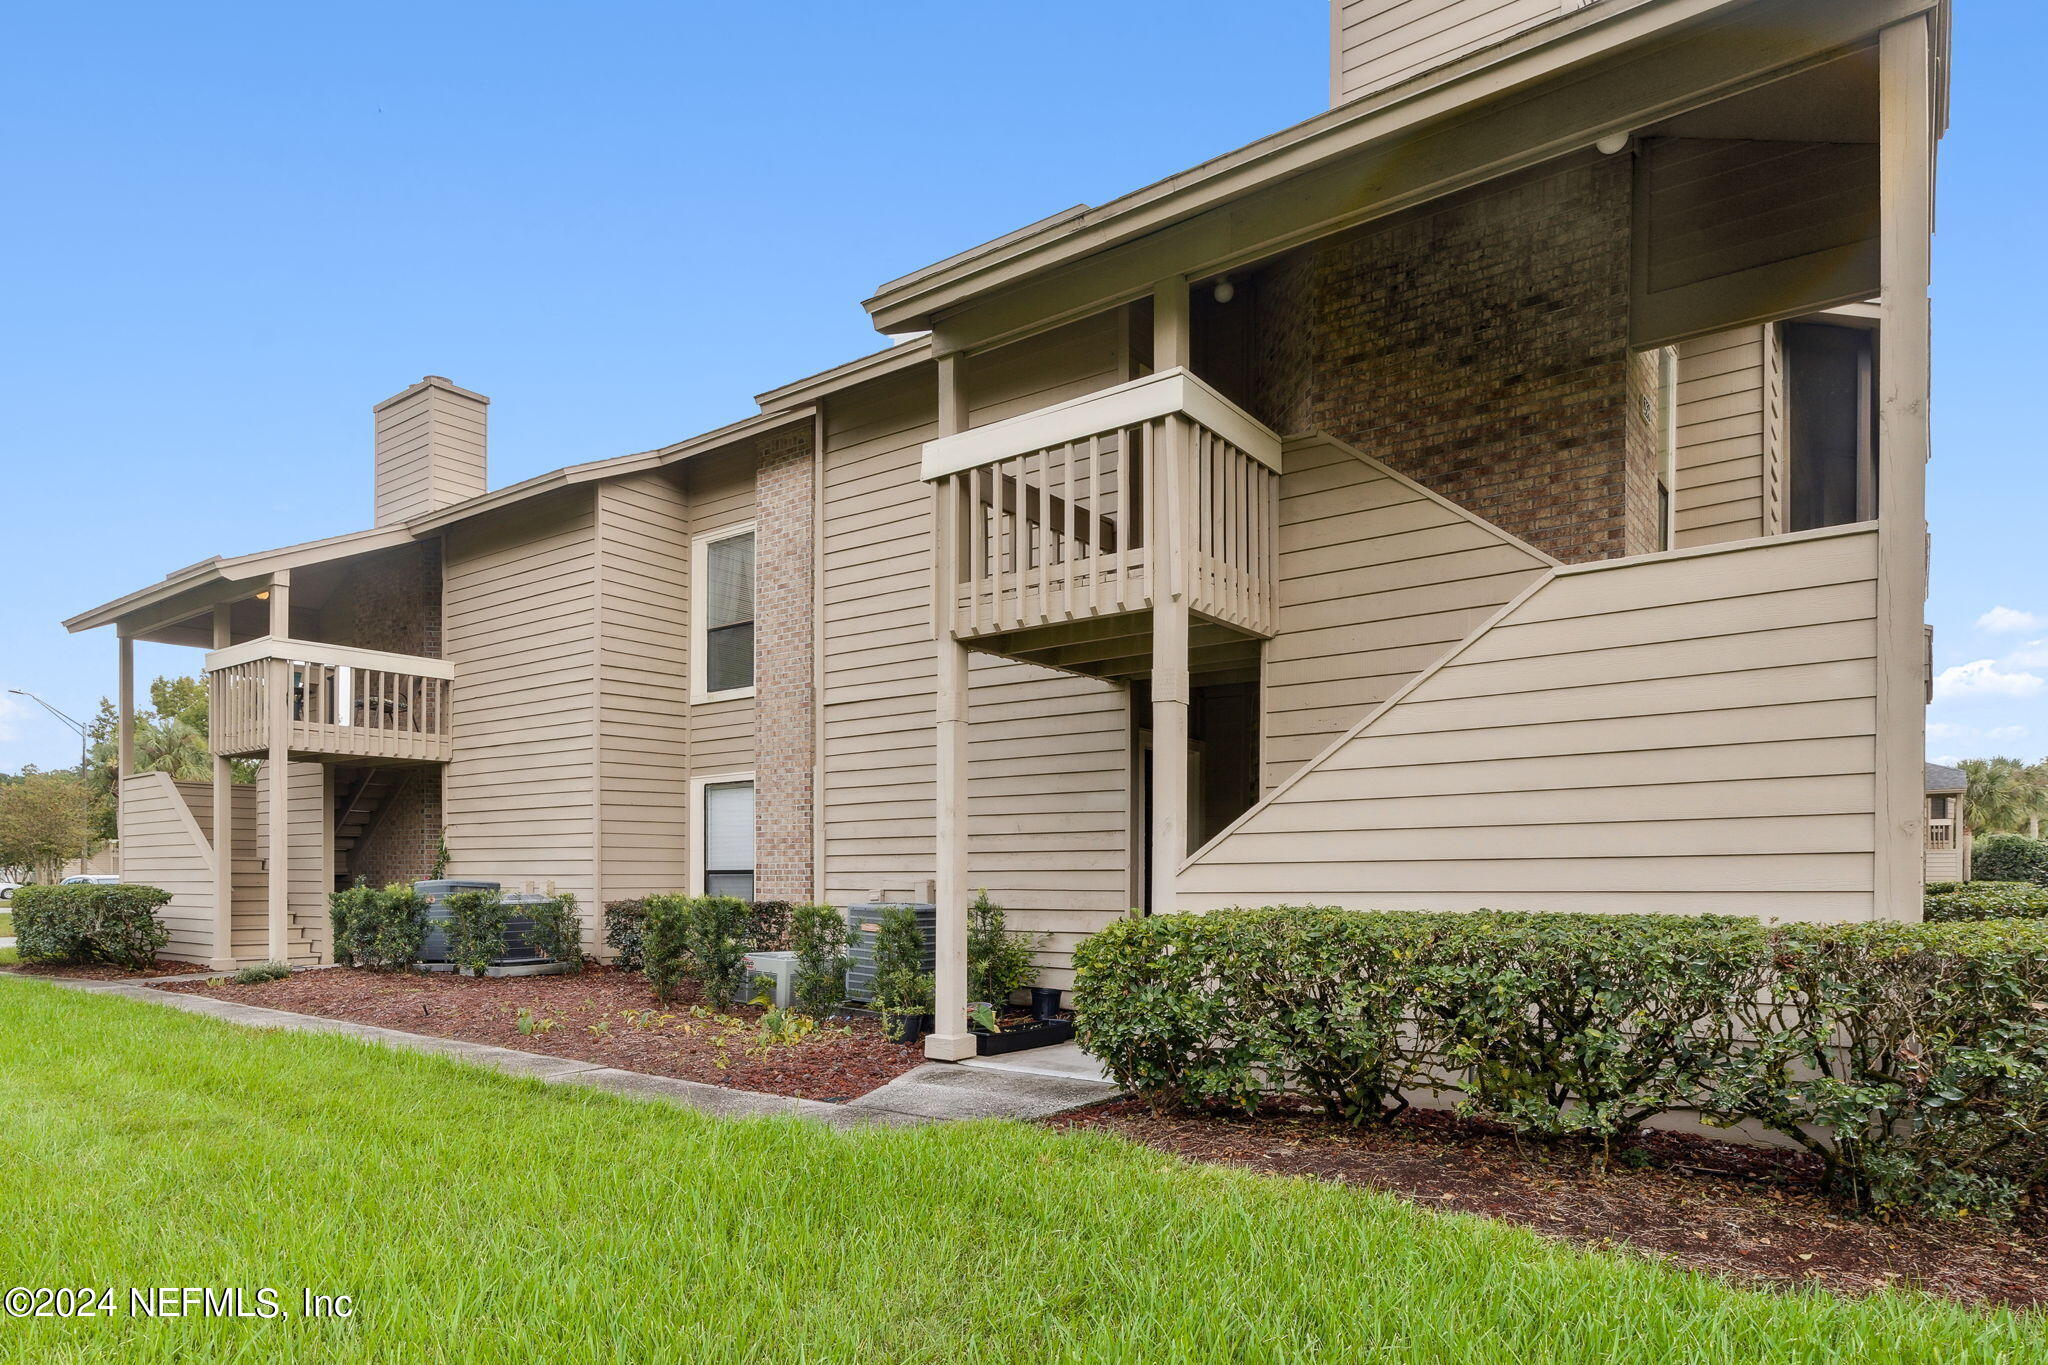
column 1749, row 1213
column 101, row 972
column 841, row 1061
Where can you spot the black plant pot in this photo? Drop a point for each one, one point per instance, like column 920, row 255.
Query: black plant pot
column 1045, row 1003
column 1023, row 1037
column 907, row 1028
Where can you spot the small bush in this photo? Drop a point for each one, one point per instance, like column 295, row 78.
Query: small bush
column 902, row 985
column 68, row 925
column 718, row 932
column 1911, row 1059
column 1920, row 1054
column 476, row 928
column 558, row 929
column 2010, row 858
column 665, row 955
column 704, row 936
column 625, row 923
column 380, row 930
column 260, row 973
column 817, row 935
column 998, row 962
column 1959, row 901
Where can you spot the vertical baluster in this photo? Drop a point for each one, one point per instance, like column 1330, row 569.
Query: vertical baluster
column 1095, row 546
column 1041, row 532
column 999, row 543
column 1070, row 544
column 1233, row 524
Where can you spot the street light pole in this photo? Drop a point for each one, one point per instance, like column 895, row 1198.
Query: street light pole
column 84, row 760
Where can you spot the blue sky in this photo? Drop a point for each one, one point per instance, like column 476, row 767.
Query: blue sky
column 234, row 227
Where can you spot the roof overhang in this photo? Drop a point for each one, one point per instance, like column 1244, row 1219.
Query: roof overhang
column 1601, row 70
column 221, row 579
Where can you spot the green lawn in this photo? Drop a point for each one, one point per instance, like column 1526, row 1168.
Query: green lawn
column 475, row 1217
column 6, row 925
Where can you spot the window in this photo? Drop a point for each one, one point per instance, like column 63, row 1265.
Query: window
column 724, row 602
column 723, row 817
column 1831, row 417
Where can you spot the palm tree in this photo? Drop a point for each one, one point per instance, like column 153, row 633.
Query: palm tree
column 2005, row 795
column 174, row 747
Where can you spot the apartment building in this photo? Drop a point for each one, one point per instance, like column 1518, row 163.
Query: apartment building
column 1502, row 489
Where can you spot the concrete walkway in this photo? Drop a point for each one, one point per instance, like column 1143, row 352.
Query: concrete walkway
column 933, row 1092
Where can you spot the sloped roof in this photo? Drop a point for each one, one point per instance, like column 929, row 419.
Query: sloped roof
column 1941, row 778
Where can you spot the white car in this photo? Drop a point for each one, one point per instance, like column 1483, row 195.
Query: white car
column 91, row 879
column 8, row 888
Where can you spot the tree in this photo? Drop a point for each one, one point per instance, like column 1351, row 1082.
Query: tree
column 2006, row 796
column 45, row 820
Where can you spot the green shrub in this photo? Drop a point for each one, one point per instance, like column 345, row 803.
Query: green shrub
column 1956, row 901
column 665, row 954
column 260, row 973
column 1563, row 1024
column 380, row 930
column 82, row 923
column 817, row 935
column 625, row 924
column 558, row 929
column 902, row 985
column 706, row 936
column 476, row 928
column 1911, row 1059
column 2010, row 858
column 998, row 962
column 1918, row 1051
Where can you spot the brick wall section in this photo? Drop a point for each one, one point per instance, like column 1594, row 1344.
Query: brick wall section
column 1480, row 346
column 785, row 701
column 391, row 601
column 403, row 846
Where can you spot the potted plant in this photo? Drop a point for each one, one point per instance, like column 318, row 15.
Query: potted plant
column 999, row 964
column 905, row 1002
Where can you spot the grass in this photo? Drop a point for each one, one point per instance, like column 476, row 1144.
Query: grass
column 6, row 925
column 477, row 1217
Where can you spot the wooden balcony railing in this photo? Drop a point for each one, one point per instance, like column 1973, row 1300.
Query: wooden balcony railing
column 1100, row 505
column 338, row 702
column 1941, row 835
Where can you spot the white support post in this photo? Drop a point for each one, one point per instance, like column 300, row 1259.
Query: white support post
column 1171, row 346
column 124, row 726
column 950, row 1040
column 1906, row 162
column 223, row 827
column 277, row 873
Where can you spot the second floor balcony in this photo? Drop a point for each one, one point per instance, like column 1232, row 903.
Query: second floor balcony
column 329, row 702
column 1063, row 527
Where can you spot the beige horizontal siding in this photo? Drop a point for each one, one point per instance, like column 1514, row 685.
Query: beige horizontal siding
column 643, row 700
column 520, row 599
column 1048, row 768
column 1680, row 734
column 163, row 844
column 1730, row 437
column 1378, row 43
column 1379, row 579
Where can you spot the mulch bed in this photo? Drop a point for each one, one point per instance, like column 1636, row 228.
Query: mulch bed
column 602, row 1016
column 100, row 972
column 1748, row 1213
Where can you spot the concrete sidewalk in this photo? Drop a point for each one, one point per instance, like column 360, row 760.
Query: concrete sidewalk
column 934, row 1092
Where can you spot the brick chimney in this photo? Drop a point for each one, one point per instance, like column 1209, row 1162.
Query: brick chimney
column 429, row 449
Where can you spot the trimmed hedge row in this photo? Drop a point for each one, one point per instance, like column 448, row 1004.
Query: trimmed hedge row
column 87, row 923
column 1950, row 902
column 2010, row 858
column 1911, row 1059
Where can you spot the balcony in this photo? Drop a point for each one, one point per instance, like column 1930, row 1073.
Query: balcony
column 1065, row 526
column 330, row 702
